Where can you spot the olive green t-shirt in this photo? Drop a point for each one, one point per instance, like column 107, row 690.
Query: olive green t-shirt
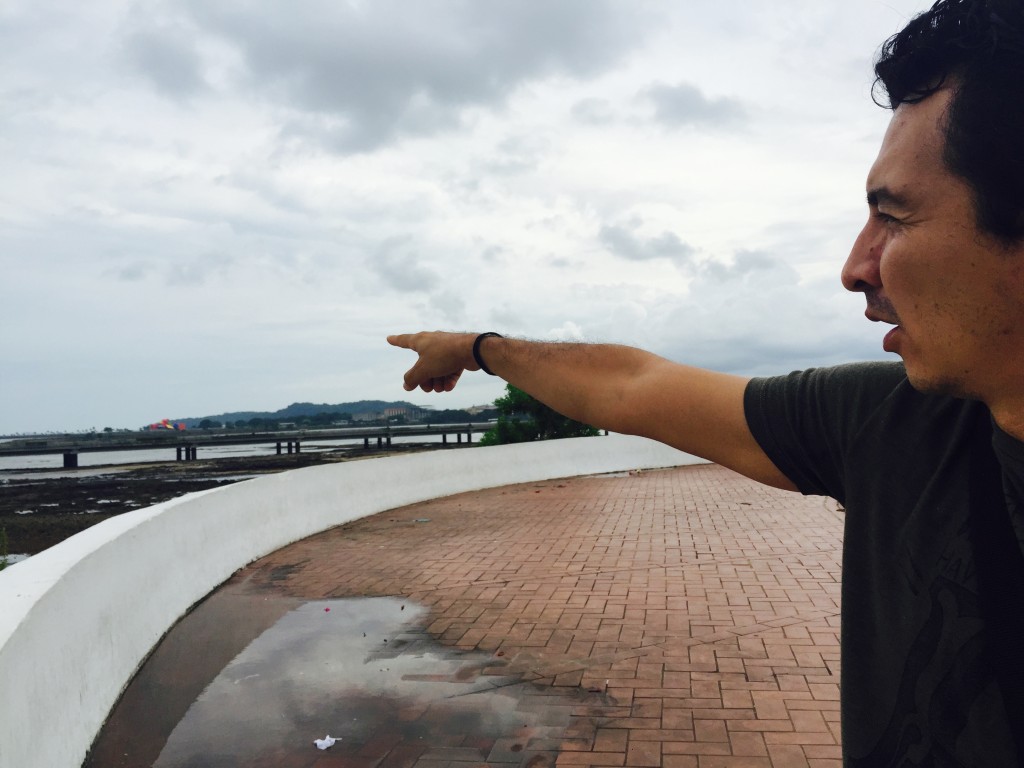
column 933, row 571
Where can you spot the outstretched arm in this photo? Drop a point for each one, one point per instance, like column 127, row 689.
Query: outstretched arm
column 614, row 387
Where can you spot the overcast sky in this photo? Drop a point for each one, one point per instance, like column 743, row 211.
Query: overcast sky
column 227, row 205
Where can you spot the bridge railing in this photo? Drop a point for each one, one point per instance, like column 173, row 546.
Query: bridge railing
column 186, row 444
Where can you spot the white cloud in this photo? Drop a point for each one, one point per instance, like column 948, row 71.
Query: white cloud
column 263, row 191
column 567, row 331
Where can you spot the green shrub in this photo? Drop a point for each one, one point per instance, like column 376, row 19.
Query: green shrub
column 523, row 419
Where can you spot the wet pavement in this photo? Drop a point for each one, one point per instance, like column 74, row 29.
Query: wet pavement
column 685, row 618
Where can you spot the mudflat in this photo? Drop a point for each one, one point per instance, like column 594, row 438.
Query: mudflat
column 40, row 508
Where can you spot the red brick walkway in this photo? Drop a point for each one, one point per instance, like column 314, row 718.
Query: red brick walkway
column 702, row 606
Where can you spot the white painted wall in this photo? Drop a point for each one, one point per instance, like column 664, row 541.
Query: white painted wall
column 77, row 620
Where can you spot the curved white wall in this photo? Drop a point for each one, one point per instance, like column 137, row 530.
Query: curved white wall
column 77, row 620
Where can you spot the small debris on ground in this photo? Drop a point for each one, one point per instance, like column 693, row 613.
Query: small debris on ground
column 324, row 743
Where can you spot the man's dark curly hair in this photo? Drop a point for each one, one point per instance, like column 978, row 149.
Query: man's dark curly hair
column 977, row 48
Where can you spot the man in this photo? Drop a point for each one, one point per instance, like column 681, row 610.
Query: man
column 927, row 456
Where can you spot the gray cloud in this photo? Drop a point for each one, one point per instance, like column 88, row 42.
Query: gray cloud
column 515, row 155
column 401, row 269
column 175, row 270
column 168, row 57
column 508, row 317
column 493, row 254
column 757, row 317
column 199, row 270
column 684, row 104
column 564, row 262
column 449, row 304
column 43, row 61
column 747, row 263
column 132, row 273
column 624, row 242
column 365, row 74
column 592, row 111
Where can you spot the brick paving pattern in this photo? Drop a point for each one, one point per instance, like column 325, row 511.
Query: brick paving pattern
column 698, row 610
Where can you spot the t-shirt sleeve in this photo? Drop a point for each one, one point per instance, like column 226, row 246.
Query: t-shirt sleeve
column 806, row 421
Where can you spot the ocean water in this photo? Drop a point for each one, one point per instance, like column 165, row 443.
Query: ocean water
column 149, row 455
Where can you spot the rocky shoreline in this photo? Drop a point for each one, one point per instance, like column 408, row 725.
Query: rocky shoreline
column 39, row 509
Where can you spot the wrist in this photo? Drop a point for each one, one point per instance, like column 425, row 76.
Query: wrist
column 477, row 356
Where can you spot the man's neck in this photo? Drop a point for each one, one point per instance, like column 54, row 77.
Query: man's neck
column 1010, row 417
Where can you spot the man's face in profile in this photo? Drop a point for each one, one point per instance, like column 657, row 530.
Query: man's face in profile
column 954, row 295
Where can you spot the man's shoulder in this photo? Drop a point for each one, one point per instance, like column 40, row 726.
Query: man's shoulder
column 860, row 394
column 871, row 384
column 875, row 373
column 874, row 369
column 822, row 426
column 845, row 385
column 883, row 389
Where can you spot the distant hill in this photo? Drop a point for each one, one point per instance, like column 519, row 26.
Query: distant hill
column 297, row 410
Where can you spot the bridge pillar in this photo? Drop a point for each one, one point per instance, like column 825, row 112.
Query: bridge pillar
column 193, row 453
column 71, row 460
column 298, row 446
column 289, row 447
column 389, row 441
column 458, row 438
column 444, row 438
column 177, row 453
column 278, row 447
column 366, row 443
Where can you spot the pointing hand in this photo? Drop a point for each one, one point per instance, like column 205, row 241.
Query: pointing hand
column 442, row 359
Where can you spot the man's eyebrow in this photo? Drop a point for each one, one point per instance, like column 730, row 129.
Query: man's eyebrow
column 884, row 196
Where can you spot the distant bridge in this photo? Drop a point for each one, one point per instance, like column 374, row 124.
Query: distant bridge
column 186, row 444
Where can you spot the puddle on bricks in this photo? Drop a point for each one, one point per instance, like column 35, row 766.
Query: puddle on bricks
column 363, row 671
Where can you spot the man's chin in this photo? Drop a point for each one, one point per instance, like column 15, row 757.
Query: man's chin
column 946, row 386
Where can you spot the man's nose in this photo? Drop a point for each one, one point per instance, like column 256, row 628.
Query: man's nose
column 861, row 270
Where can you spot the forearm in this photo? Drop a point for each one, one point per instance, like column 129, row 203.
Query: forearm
column 614, row 387
column 628, row 390
column 591, row 383
column 583, row 381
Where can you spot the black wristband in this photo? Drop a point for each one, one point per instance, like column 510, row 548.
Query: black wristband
column 476, row 351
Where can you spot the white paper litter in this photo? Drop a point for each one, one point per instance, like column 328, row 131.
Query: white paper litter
column 324, row 743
